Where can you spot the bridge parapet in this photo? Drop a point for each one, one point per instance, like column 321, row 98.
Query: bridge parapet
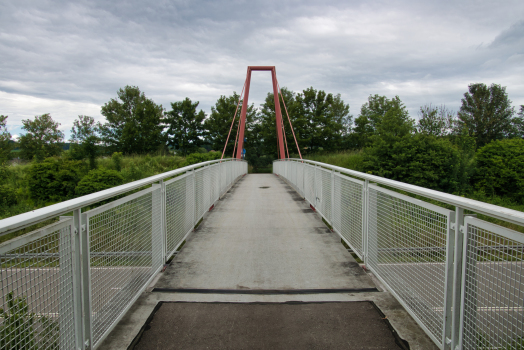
column 460, row 277
column 66, row 285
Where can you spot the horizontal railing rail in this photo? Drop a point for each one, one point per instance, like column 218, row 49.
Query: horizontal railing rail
column 461, row 278
column 66, row 285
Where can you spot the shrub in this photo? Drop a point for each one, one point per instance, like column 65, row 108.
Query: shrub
column 98, row 180
column 500, row 169
column 195, row 158
column 419, row 159
column 54, row 179
column 7, row 196
column 116, row 158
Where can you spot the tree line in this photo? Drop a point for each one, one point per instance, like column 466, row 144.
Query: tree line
column 135, row 124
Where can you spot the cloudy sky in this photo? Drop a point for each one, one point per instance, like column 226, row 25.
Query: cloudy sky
column 70, row 57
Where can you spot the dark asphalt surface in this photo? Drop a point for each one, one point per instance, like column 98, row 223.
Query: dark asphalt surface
column 292, row 325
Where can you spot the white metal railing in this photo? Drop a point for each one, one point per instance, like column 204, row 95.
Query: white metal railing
column 65, row 286
column 461, row 278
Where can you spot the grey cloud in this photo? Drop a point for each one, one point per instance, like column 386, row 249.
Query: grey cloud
column 82, row 52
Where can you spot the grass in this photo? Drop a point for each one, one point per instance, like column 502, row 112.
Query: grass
column 347, row 159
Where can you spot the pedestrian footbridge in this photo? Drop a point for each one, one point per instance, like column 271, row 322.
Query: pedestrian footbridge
column 311, row 256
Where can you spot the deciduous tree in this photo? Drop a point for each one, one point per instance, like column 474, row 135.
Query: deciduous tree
column 84, row 139
column 5, row 140
column 487, row 113
column 436, row 121
column 42, row 139
column 186, row 128
column 135, row 124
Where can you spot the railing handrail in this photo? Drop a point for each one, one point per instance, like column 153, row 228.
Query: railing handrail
column 20, row 221
column 510, row 215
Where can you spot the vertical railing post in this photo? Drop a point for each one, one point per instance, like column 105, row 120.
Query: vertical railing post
column 157, row 227
column 77, row 278
column 163, row 216
column 219, row 180
column 86, row 284
column 448, row 287
column 458, row 261
column 194, row 197
column 332, row 199
column 315, row 190
column 365, row 216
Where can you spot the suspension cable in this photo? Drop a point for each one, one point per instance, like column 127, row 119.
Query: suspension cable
column 291, row 125
column 233, row 122
column 284, row 133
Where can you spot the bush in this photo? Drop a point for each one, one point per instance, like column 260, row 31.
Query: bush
column 116, row 158
column 195, row 158
column 54, row 179
column 500, row 169
column 419, row 159
column 7, row 196
column 98, row 180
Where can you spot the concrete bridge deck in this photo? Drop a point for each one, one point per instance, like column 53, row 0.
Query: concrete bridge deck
column 262, row 243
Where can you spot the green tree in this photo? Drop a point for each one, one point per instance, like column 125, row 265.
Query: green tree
column 436, row 121
column 320, row 121
column 218, row 123
column 84, row 139
column 486, row 112
column 371, row 115
column 5, row 140
column 134, row 123
column 42, row 139
column 186, row 128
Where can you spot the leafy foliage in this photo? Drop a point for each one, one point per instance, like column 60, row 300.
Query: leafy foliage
column 218, row 124
column 54, row 179
column 500, row 167
column 371, row 115
column 195, row 158
column 185, row 126
column 98, row 180
column 20, row 330
column 134, row 123
column 116, row 158
column 84, row 139
column 5, row 138
column 487, row 114
column 42, row 139
column 7, row 196
column 436, row 121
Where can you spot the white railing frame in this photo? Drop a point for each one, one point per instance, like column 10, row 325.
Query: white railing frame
column 453, row 322
column 81, row 283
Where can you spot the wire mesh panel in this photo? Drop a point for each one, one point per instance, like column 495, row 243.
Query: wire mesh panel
column 309, row 184
column 199, row 194
column 179, row 206
column 323, row 183
column 407, row 251
column 493, row 287
column 348, row 211
column 36, row 280
column 125, row 247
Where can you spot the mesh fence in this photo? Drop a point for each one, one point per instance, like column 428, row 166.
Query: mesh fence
column 36, row 280
column 125, row 245
column 347, row 218
column 493, row 288
column 179, row 211
column 309, row 183
column 407, row 249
